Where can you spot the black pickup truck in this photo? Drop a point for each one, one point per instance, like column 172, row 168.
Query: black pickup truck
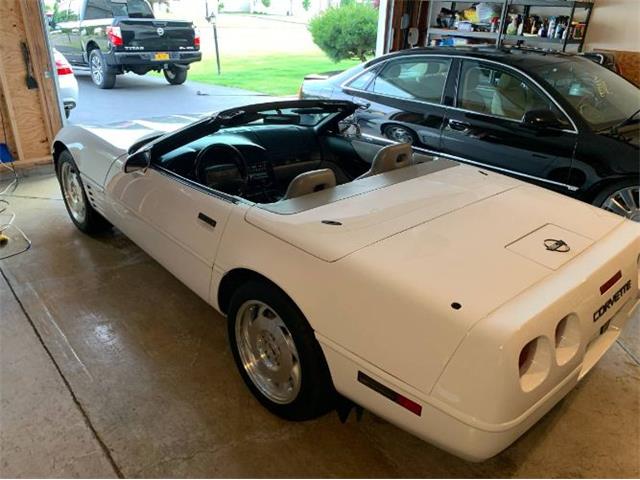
column 112, row 37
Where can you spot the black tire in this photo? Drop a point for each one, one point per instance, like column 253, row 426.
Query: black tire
column 100, row 75
column 629, row 202
column 175, row 75
column 92, row 222
column 392, row 132
column 316, row 395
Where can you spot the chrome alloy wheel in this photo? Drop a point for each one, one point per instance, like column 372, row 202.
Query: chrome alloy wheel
column 268, row 352
column 399, row 134
column 625, row 202
column 96, row 69
column 72, row 191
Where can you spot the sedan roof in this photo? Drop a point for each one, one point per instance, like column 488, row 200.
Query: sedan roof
column 518, row 57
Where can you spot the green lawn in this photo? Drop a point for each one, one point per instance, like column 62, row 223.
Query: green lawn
column 275, row 74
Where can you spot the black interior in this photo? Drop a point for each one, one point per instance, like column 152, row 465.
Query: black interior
column 257, row 162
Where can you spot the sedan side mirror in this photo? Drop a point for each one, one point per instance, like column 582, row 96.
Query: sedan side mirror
column 542, row 118
column 138, row 161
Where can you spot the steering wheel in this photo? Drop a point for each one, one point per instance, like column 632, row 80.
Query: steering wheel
column 222, row 154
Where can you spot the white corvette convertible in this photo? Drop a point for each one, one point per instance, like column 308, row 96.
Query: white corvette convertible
column 458, row 304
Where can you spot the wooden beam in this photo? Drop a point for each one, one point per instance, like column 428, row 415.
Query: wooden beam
column 36, row 33
column 30, row 114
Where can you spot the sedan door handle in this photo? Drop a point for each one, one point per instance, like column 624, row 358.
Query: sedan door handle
column 206, row 219
column 459, row 126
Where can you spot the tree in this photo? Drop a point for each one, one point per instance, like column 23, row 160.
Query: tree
column 346, row 32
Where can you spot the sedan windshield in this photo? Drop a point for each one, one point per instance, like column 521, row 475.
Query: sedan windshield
column 603, row 98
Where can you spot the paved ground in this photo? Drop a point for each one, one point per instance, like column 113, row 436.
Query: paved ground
column 137, row 380
column 138, row 96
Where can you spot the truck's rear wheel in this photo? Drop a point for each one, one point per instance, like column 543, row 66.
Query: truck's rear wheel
column 99, row 71
column 175, row 75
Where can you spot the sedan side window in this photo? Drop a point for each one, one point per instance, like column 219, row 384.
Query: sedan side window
column 362, row 81
column 414, row 79
column 493, row 91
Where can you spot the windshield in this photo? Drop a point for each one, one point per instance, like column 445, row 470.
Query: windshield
column 131, row 8
column 602, row 97
column 305, row 116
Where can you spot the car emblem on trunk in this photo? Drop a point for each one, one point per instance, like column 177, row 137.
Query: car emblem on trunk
column 160, row 31
column 556, row 245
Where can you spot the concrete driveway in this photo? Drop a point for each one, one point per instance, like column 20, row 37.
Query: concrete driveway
column 138, row 96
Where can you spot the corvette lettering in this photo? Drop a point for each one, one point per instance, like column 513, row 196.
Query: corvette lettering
column 612, row 301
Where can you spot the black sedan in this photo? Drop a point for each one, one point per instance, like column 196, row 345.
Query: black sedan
column 560, row 121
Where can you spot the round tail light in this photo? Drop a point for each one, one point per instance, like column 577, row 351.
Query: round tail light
column 567, row 338
column 534, row 363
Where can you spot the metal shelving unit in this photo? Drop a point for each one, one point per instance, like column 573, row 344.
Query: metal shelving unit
column 500, row 37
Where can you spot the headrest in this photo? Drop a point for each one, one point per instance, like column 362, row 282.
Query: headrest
column 310, row 182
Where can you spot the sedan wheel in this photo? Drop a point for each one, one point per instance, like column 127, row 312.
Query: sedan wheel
column 268, row 352
column 625, row 202
column 399, row 134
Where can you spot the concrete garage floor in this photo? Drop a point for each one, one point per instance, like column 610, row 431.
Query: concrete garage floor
column 118, row 369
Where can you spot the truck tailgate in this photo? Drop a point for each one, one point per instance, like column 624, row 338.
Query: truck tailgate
column 145, row 34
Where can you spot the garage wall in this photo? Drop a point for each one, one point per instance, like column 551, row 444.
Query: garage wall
column 31, row 116
column 614, row 28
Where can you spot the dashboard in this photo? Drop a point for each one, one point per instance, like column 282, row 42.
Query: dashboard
column 285, row 148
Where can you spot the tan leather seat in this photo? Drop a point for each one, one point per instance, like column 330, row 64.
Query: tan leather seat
column 309, row 182
column 471, row 99
column 510, row 98
column 389, row 158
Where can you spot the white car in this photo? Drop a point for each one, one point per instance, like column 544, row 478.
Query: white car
column 460, row 305
column 67, row 83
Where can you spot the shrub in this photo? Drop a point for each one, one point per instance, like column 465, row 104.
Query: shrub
column 346, row 32
column 306, row 4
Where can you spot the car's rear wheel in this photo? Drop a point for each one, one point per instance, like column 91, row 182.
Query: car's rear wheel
column 83, row 215
column 175, row 75
column 277, row 353
column 623, row 199
column 400, row 134
column 100, row 75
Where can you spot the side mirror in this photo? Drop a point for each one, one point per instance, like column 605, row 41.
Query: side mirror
column 542, row 118
column 138, row 161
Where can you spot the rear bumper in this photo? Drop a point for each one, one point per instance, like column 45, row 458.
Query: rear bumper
column 138, row 59
column 460, row 433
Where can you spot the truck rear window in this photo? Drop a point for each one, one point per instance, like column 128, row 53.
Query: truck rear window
column 131, row 8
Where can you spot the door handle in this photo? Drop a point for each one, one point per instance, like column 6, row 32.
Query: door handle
column 459, row 126
column 207, row 219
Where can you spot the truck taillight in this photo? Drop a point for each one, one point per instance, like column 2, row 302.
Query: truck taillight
column 196, row 37
column 62, row 66
column 114, row 34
